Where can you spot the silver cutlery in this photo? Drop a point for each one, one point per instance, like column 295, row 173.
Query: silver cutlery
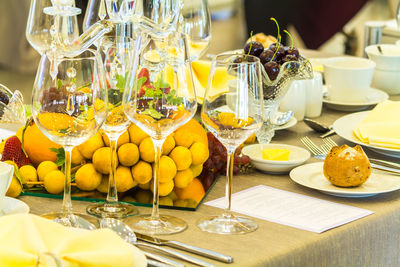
column 129, row 236
column 319, row 128
column 179, row 245
column 320, row 152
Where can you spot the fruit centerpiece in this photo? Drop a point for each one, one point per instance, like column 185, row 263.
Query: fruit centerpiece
column 192, row 159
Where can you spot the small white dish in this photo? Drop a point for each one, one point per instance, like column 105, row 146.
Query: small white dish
column 374, row 96
column 292, row 122
column 312, row 176
column 297, row 157
column 13, row 206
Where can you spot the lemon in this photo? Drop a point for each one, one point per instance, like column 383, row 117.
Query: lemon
column 196, row 169
column 164, row 188
column 146, row 149
column 136, row 134
column 144, row 196
column 54, row 182
column 142, row 172
column 123, row 139
column 87, row 178
column 182, row 138
column 103, row 186
column 145, row 186
column 168, row 145
column 166, row 201
column 182, row 157
column 102, row 160
column 15, row 188
column 167, row 169
column 124, row 179
column 76, row 156
column 44, row 168
column 90, row 146
column 28, row 174
column 199, row 153
column 128, row 154
column 183, row 178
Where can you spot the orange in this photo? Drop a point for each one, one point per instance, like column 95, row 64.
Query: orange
column 194, row 190
column 194, row 128
column 37, row 145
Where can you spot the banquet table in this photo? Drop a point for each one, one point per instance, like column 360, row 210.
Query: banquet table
column 370, row 241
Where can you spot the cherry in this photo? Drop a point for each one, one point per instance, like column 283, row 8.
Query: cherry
column 255, row 48
column 266, row 56
column 272, row 69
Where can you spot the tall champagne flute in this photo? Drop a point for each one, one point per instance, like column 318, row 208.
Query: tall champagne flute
column 118, row 55
column 232, row 117
column 159, row 98
column 195, row 21
column 69, row 109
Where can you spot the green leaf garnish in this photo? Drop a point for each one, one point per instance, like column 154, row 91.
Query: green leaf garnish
column 154, row 93
column 60, row 154
column 172, row 99
column 59, row 84
column 152, row 112
column 121, row 81
column 160, row 83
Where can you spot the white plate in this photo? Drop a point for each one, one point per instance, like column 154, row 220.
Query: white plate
column 13, row 206
column 297, row 157
column 312, row 176
column 292, row 122
column 374, row 97
column 344, row 128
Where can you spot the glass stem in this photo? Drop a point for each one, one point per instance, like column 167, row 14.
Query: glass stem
column 157, row 147
column 229, row 175
column 67, row 204
column 112, row 196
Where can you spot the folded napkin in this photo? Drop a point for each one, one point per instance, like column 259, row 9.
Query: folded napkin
column 381, row 127
column 24, row 236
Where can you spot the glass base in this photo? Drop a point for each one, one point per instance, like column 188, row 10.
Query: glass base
column 227, row 224
column 75, row 220
column 116, row 210
column 166, row 224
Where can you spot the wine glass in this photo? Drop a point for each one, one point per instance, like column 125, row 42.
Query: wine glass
column 158, row 16
column 118, row 56
column 195, row 21
column 159, row 98
column 69, row 109
column 42, row 27
column 232, row 117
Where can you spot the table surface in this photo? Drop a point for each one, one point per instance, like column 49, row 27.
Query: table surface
column 370, row 241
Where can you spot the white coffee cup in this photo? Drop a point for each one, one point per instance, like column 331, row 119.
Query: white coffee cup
column 6, row 175
column 295, row 99
column 348, row 78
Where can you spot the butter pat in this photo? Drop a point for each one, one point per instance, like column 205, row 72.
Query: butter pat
column 275, row 154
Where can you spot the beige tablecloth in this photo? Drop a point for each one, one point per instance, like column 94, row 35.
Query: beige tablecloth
column 370, row 241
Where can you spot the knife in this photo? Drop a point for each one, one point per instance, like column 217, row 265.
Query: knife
column 179, row 245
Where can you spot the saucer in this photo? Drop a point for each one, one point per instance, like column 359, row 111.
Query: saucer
column 13, row 206
column 374, row 97
column 292, row 122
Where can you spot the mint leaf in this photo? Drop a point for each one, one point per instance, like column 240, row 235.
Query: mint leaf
column 160, row 83
column 121, row 81
column 140, row 82
column 155, row 93
column 59, row 84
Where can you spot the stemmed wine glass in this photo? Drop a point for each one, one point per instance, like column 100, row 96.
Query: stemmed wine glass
column 118, row 56
column 195, row 21
column 41, row 28
column 69, row 109
column 232, row 117
column 159, row 98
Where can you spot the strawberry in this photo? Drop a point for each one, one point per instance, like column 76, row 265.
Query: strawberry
column 144, row 73
column 13, row 151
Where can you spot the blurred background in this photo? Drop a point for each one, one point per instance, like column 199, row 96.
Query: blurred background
column 332, row 26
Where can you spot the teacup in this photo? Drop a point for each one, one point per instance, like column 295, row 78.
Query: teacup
column 348, row 78
column 6, row 175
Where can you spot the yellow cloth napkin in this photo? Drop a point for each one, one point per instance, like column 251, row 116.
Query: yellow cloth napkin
column 382, row 126
column 24, row 236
